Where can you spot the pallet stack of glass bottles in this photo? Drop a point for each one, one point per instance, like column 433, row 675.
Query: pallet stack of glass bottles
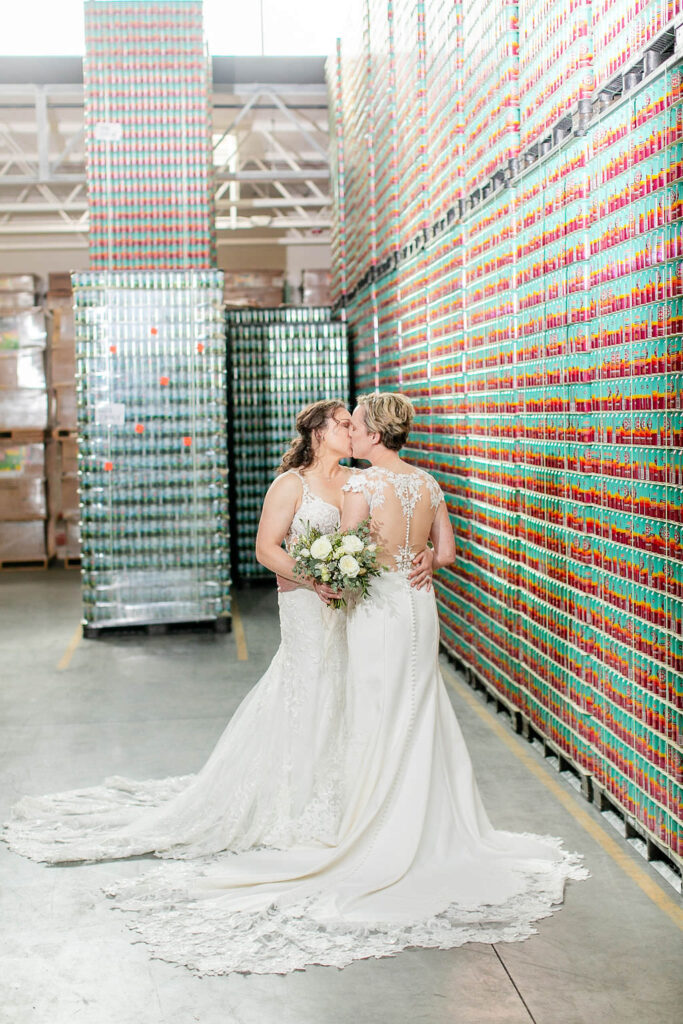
column 148, row 123
column 152, row 447
column 539, row 334
column 280, row 360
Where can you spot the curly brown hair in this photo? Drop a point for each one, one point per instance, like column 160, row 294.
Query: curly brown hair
column 310, row 422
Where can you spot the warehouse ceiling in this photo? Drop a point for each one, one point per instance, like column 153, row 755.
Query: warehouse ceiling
column 270, row 138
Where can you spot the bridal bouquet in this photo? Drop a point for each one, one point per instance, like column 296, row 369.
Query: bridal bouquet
column 344, row 560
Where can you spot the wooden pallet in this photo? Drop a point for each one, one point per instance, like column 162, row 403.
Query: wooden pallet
column 63, row 434
column 21, row 436
column 25, row 565
column 634, row 829
column 223, row 624
column 67, row 563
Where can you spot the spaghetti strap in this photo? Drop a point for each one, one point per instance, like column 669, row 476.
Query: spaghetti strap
column 304, row 482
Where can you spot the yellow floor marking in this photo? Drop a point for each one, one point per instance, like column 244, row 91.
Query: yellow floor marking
column 615, row 850
column 68, row 653
column 238, row 628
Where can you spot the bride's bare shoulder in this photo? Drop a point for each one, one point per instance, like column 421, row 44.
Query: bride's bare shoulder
column 286, row 486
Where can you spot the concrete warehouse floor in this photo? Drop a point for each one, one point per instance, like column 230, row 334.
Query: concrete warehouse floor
column 73, row 712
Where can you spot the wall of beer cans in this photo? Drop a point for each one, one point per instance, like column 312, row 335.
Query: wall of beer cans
column 528, row 297
column 279, row 360
column 148, row 135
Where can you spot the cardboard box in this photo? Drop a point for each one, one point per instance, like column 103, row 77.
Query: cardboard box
column 59, row 284
column 23, row 409
column 21, row 460
column 60, row 303
column 64, row 406
column 62, row 364
column 18, row 283
column 69, row 456
column 61, row 470
column 23, row 368
column 12, row 302
column 70, row 498
column 22, row 542
column 262, row 288
column 63, row 327
column 22, row 498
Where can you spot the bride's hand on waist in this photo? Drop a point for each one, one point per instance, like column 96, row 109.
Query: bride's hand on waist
column 422, row 571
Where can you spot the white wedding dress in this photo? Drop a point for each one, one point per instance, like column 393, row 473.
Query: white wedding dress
column 403, row 853
column 273, row 779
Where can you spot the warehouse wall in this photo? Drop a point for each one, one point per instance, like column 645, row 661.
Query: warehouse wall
column 292, row 260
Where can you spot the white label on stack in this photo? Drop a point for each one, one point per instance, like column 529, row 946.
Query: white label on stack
column 110, row 414
column 108, row 131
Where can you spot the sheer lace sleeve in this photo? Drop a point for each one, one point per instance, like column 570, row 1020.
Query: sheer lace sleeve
column 368, row 484
column 435, row 492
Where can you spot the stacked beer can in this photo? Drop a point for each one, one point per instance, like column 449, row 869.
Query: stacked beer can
column 150, row 341
column 280, row 359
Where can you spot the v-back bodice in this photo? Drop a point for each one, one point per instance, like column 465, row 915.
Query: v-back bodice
column 312, row 512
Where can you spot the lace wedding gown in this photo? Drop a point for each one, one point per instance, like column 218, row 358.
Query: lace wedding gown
column 416, row 861
column 273, row 779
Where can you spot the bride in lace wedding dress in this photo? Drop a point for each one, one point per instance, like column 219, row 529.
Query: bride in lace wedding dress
column 274, row 778
column 414, row 859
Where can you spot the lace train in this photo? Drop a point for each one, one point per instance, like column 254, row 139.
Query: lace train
column 273, row 779
column 207, row 938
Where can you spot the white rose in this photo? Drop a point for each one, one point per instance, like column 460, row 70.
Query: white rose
column 372, row 547
column 321, row 548
column 304, row 553
column 349, row 566
column 352, row 545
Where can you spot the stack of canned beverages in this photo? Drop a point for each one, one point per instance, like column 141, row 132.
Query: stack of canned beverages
column 152, row 447
column 148, row 127
column 280, row 359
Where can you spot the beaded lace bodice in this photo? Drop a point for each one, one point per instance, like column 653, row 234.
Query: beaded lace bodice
column 312, row 512
column 402, row 507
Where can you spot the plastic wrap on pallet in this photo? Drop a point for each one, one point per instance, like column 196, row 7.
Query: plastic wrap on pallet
column 23, row 409
column 23, row 368
column 22, row 542
column 18, row 283
column 24, row 329
column 152, row 446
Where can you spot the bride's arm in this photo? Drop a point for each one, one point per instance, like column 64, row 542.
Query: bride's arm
column 279, row 508
column 442, row 553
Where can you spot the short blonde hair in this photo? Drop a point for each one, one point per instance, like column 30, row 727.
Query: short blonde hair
column 390, row 415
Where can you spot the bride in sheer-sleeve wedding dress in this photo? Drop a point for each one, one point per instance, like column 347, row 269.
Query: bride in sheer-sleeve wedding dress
column 416, row 861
